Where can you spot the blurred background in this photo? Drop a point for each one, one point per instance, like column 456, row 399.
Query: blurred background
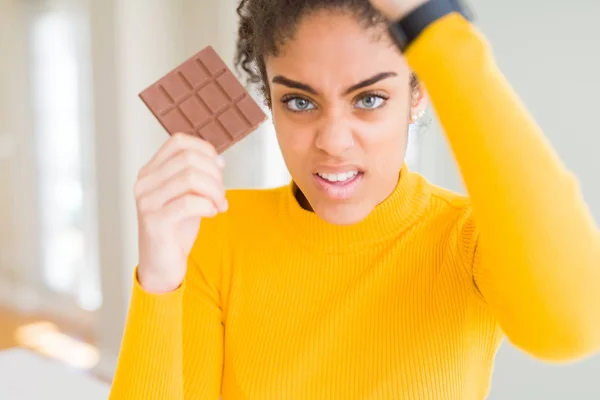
column 73, row 134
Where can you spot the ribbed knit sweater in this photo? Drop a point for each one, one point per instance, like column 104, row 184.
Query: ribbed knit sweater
column 412, row 302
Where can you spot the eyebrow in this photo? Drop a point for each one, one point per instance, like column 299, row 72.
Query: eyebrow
column 282, row 80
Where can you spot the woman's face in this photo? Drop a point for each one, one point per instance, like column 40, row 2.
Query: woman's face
column 341, row 102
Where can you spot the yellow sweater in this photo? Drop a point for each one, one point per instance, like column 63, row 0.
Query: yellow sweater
column 411, row 303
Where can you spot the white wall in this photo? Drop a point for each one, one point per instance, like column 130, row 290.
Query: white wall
column 19, row 255
column 547, row 49
column 7, row 146
column 550, row 52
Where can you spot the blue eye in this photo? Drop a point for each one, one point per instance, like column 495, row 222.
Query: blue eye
column 370, row 102
column 299, row 104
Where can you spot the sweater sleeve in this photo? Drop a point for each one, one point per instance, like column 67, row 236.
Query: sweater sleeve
column 536, row 250
column 172, row 347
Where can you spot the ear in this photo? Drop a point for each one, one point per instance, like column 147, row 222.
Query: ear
column 419, row 102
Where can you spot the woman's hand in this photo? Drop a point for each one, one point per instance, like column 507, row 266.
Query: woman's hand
column 396, row 9
column 180, row 185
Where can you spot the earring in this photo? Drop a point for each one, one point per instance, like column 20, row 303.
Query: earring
column 414, row 117
column 416, row 94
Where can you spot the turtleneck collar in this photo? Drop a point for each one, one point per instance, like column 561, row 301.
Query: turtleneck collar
column 387, row 220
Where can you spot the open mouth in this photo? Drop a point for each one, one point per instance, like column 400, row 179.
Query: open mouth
column 339, row 186
column 339, row 179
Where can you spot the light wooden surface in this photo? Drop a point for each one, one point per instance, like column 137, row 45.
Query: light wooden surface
column 11, row 320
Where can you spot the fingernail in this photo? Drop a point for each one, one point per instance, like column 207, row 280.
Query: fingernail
column 225, row 205
column 220, row 161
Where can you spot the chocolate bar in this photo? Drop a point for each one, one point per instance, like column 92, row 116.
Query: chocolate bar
column 202, row 97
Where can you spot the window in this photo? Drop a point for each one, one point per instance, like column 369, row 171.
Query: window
column 65, row 191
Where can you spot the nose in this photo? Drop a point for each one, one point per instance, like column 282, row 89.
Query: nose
column 334, row 136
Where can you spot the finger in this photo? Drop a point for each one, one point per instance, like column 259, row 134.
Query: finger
column 176, row 144
column 188, row 206
column 188, row 181
column 176, row 165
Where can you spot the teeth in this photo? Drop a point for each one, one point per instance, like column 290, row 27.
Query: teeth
column 342, row 177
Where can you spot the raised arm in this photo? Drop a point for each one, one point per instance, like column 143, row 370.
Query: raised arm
column 534, row 247
column 173, row 342
column 172, row 348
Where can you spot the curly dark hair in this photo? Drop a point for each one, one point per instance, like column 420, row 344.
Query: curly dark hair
column 265, row 25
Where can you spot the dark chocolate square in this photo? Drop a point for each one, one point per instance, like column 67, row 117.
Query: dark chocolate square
column 231, row 86
column 200, row 97
column 211, row 61
column 214, row 98
column 175, row 87
column 214, row 134
column 195, row 112
column 174, row 121
column 250, row 110
column 155, row 99
column 194, row 73
column 233, row 123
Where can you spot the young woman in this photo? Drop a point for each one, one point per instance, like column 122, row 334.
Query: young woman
column 360, row 280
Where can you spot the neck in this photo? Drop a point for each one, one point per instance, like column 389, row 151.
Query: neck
column 387, row 220
column 301, row 199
